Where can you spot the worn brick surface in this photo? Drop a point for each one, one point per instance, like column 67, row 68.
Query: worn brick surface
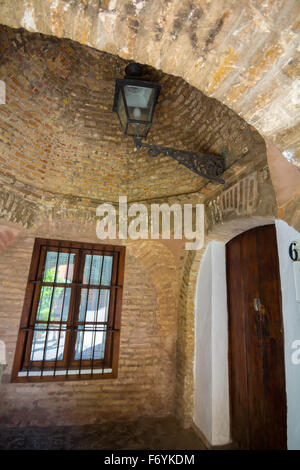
column 62, row 153
column 145, row 385
column 58, row 132
column 245, row 54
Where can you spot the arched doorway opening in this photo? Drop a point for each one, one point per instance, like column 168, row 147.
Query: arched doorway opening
column 210, row 394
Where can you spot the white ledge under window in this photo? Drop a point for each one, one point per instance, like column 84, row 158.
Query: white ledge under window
column 39, row 373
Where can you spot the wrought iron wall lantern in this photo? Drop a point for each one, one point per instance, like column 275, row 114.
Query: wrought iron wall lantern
column 134, row 102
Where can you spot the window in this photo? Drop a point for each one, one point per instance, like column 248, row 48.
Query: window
column 70, row 325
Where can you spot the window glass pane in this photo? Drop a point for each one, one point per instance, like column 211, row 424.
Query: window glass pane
column 103, row 305
column 50, row 265
column 61, row 300
column 91, row 313
column 57, row 301
column 55, row 344
column 38, row 344
column 82, row 307
column 64, row 264
column 97, row 309
column 65, row 267
column 88, row 341
column 88, row 312
column 55, row 341
column 106, row 273
column 87, row 267
column 96, row 270
column 44, row 303
column 66, row 304
column 99, row 341
column 92, row 276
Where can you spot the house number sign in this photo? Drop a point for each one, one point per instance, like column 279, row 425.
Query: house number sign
column 294, row 251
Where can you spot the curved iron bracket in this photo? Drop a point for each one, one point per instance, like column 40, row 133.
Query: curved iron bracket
column 208, row 166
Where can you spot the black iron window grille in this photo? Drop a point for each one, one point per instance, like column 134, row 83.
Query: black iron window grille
column 70, row 326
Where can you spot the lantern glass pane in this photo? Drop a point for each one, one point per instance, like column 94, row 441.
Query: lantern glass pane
column 139, row 102
column 137, row 96
column 121, row 110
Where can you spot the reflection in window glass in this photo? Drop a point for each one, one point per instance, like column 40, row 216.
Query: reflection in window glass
column 58, row 299
column 90, row 344
column 107, row 267
column 92, row 308
column 93, row 270
column 59, row 270
column 44, row 303
column 45, row 346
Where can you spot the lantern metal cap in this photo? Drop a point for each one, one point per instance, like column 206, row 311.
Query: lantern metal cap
column 134, row 70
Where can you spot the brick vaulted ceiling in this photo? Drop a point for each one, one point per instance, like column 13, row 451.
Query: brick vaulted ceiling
column 58, row 133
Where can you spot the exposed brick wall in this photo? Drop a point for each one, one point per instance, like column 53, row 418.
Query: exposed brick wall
column 57, row 128
column 146, row 381
column 62, row 153
column 7, row 237
column 164, row 312
column 243, row 53
column 59, row 136
column 185, row 343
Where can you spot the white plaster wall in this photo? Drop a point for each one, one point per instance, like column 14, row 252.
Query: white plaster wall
column 291, row 320
column 220, row 392
column 211, row 405
column 203, row 348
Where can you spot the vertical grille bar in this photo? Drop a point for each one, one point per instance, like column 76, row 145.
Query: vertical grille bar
column 96, row 317
column 38, row 255
column 61, row 314
column 50, row 308
column 113, row 297
column 86, row 306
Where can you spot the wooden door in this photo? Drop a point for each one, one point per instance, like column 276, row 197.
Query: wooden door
column 256, row 354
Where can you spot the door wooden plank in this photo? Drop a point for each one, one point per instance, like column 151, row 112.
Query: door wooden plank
column 256, row 353
column 272, row 326
column 253, row 339
column 237, row 348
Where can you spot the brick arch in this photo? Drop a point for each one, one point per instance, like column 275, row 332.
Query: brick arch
column 59, row 136
column 243, row 54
